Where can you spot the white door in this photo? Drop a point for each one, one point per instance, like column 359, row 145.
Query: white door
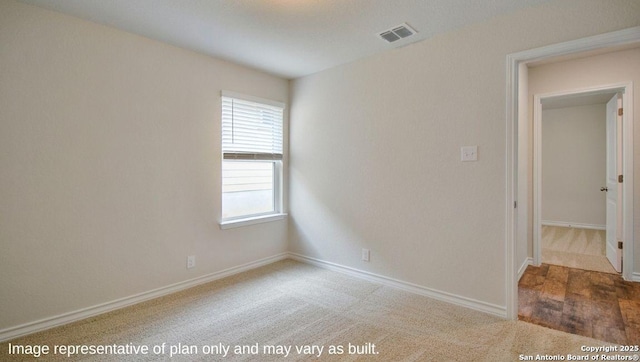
column 613, row 189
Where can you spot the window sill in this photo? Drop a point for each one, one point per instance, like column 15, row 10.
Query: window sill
column 229, row 224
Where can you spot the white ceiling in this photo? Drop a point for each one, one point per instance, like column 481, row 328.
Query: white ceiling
column 288, row 38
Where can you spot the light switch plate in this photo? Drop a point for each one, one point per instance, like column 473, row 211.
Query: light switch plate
column 366, row 254
column 469, row 153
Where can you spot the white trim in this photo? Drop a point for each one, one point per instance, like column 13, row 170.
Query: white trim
column 576, row 225
column 597, row 42
column 470, row 303
column 511, row 187
column 62, row 319
column 47, row 323
column 627, row 186
column 528, row 261
column 635, row 277
column 236, row 223
column 602, row 41
column 537, row 178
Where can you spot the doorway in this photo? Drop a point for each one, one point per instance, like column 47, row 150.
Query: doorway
column 577, row 158
column 518, row 171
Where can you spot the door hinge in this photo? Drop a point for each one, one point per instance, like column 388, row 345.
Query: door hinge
column 515, row 204
column 619, row 244
column 620, row 111
column 620, row 178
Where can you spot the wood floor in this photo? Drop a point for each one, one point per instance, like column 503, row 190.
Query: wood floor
column 588, row 303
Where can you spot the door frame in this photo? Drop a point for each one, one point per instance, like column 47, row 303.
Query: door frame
column 516, row 74
column 625, row 88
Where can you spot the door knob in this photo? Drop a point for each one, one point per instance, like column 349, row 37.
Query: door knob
column 605, row 189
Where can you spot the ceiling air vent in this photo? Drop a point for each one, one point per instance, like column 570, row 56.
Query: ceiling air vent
column 397, row 32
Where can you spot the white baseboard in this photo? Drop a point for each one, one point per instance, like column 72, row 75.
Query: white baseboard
column 528, row 261
column 635, row 277
column 578, row 225
column 470, row 303
column 47, row 323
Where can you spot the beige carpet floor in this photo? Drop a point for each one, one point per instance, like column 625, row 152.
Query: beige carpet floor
column 575, row 248
column 290, row 304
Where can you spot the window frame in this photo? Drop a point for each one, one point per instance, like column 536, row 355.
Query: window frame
column 278, row 171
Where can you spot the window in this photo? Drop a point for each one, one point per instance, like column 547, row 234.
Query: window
column 251, row 158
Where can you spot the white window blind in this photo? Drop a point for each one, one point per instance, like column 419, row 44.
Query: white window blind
column 251, row 130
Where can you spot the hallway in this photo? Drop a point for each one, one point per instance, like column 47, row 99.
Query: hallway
column 588, row 303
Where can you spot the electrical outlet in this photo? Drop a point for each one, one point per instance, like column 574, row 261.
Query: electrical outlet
column 191, row 261
column 469, row 153
column 366, row 253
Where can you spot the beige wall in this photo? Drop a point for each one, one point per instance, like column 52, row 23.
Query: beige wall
column 600, row 70
column 574, row 165
column 375, row 151
column 109, row 158
column 109, row 165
